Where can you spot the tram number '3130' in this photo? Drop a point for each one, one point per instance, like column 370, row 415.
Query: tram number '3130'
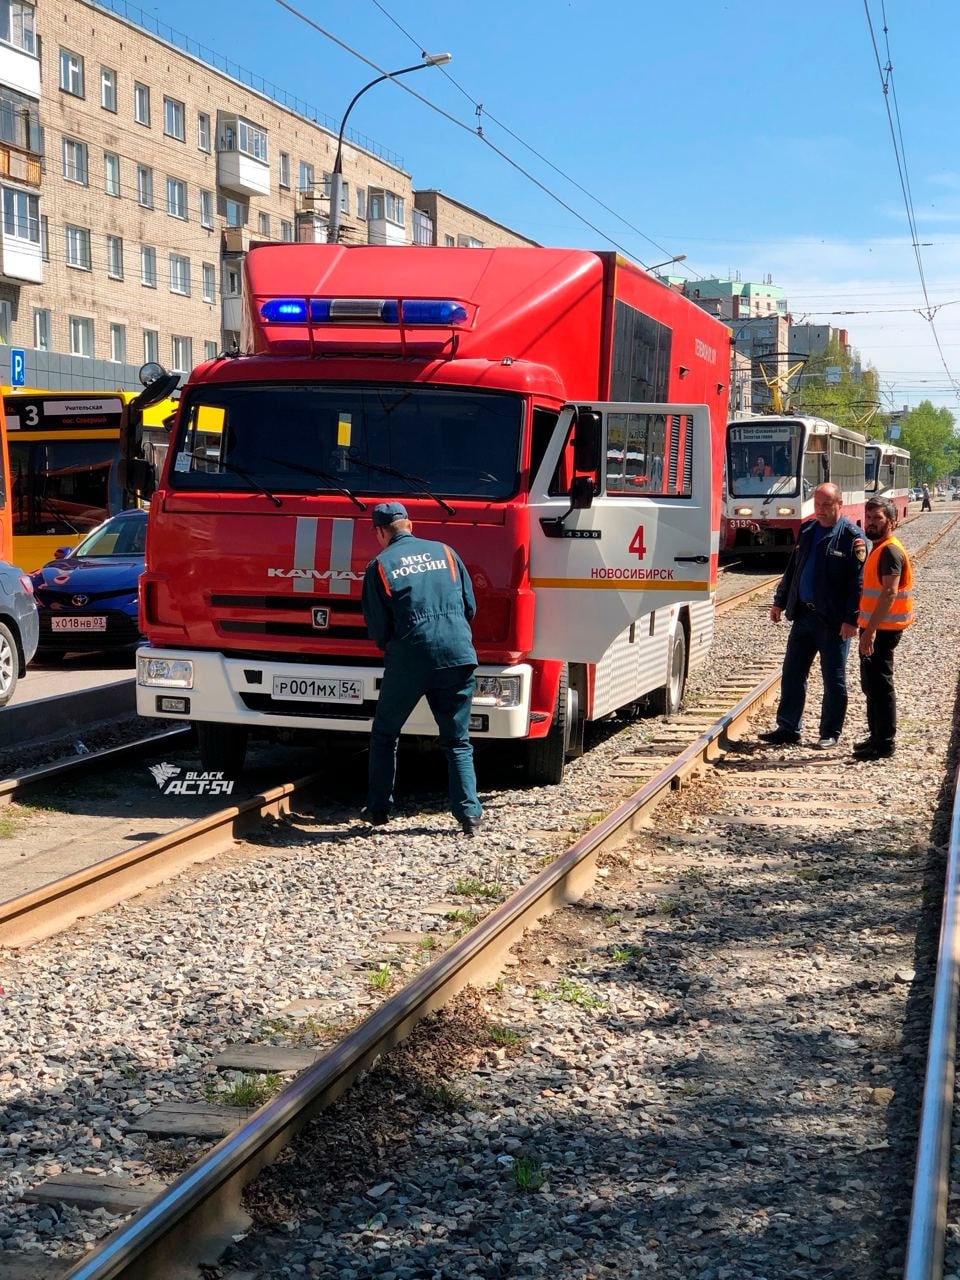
column 637, row 545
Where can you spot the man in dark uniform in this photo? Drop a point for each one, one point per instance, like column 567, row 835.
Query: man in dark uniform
column 820, row 594
column 417, row 603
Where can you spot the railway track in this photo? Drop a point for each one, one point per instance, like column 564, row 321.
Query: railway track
column 151, row 1244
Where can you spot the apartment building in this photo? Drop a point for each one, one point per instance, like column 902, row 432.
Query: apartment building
column 134, row 176
column 737, row 299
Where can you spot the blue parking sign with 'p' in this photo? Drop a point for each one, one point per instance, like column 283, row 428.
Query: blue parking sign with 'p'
column 18, row 367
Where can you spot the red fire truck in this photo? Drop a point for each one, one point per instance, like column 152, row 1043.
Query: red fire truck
column 555, row 415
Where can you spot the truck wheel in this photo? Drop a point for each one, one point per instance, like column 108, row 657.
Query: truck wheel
column 9, row 664
column 667, row 700
column 223, row 747
column 545, row 757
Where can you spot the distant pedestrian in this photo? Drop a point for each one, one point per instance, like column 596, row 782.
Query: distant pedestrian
column 886, row 610
column 820, row 594
column 925, row 505
column 417, row 603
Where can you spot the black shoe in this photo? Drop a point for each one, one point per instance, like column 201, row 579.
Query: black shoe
column 866, row 745
column 874, row 753
column 780, row 738
column 470, row 825
column 374, row 817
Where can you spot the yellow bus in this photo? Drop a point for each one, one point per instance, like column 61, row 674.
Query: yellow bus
column 67, row 455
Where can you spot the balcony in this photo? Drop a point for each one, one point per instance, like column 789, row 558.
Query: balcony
column 242, row 158
column 21, row 261
column 235, row 240
column 20, row 70
column 232, row 314
column 19, row 165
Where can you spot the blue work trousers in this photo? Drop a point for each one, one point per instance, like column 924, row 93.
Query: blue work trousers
column 449, row 694
column 811, row 634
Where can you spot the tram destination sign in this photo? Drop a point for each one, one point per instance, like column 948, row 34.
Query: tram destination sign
column 748, row 435
column 63, row 413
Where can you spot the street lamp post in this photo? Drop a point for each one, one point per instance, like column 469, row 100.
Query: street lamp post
column 336, row 181
column 680, row 257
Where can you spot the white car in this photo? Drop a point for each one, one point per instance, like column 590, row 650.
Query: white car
column 19, row 627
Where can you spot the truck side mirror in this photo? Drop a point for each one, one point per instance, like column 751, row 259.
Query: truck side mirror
column 581, row 493
column 137, row 476
column 587, row 441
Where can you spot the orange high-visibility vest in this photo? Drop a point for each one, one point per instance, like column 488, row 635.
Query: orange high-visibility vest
column 901, row 611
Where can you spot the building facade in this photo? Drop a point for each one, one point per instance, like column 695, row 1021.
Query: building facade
column 133, row 178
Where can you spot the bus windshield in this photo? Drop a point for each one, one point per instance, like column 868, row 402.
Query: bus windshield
column 63, row 486
column 327, row 439
column 764, row 458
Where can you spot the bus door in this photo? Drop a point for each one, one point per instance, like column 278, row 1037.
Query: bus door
column 621, row 522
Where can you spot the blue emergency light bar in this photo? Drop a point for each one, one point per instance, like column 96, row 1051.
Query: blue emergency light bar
column 415, row 311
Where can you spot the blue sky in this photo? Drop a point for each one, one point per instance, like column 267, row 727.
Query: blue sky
column 751, row 138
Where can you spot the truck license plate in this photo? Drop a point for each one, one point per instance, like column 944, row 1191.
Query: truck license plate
column 85, row 623
column 315, row 689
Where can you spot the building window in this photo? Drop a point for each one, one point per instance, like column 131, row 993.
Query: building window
column 44, row 238
column 176, row 198
column 210, row 351
column 206, row 208
column 263, row 224
column 286, row 231
column 19, row 119
column 284, row 169
column 179, row 274
column 449, row 242
column 118, row 343
column 203, row 131
column 108, row 89
column 148, row 266
column 181, row 351
column 18, row 25
column 21, row 215
column 41, row 328
column 141, row 103
column 236, row 213
column 469, row 242
column 81, row 336
column 174, row 119
column 241, row 135
column 422, row 227
column 111, row 172
column 151, row 346
column 308, row 176
column 115, row 257
column 71, row 73
column 361, row 202
column 75, row 162
column 209, row 282
column 386, row 205
column 78, row 247
column 144, row 186
column 231, row 282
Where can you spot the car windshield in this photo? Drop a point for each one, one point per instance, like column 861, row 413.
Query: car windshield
column 120, row 538
column 763, row 458
column 370, row 440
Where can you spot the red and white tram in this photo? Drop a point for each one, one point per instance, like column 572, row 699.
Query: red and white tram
column 888, row 474
column 773, row 466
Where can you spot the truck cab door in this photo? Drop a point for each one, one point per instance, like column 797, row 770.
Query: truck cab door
column 620, row 522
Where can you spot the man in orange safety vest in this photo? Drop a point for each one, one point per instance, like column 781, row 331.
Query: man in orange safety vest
column 886, row 610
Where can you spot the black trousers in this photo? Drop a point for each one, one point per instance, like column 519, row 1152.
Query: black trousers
column 876, row 681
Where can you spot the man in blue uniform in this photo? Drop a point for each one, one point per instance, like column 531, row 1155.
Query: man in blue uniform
column 417, row 603
column 820, row 594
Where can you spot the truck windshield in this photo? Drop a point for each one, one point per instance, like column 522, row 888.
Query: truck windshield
column 360, row 439
column 763, row 458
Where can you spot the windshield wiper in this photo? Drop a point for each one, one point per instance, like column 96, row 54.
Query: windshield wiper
column 57, row 514
column 321, row 475
column 410, row 479
column 239, row 471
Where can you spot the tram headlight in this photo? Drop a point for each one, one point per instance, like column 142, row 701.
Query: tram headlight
column 785, row 511
column 497, row 691
column 744, row 511
column 165, row 673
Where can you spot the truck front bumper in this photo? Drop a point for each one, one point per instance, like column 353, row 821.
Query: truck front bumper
column 179, row 684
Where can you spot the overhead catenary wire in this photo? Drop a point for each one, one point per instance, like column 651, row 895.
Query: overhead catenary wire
column 476, row 132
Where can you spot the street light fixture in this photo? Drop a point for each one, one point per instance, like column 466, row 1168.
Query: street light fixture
column 336, row 181
column 680, row 257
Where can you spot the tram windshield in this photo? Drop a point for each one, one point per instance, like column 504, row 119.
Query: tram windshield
column 871, row 467
column 763, row 459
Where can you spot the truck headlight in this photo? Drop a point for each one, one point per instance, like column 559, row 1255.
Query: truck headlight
column 497, row 691
column 785, row 511
column 165, row 673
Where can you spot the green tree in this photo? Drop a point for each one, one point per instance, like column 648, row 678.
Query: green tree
column 853, row 401
column 931, row 436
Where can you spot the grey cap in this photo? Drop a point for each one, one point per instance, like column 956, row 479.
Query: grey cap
column 384, row 513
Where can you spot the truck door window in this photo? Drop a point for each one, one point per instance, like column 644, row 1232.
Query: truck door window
column 637, row 455
column 543, row 427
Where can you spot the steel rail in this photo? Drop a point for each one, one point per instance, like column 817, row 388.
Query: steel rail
column 10, row 788
column 201, row 1210
column 931, row 1182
